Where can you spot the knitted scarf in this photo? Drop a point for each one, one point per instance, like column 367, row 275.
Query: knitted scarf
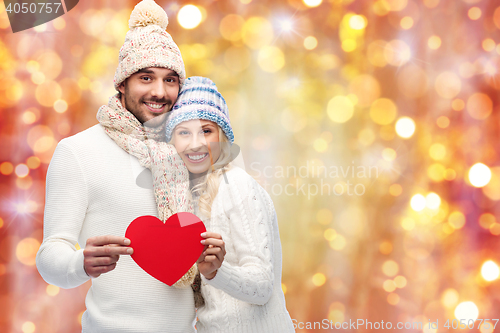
column 170, row 176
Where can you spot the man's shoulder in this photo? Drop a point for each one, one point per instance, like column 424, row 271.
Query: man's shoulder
column 90, row 137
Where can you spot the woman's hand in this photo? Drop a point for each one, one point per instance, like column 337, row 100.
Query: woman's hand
column 212, row 256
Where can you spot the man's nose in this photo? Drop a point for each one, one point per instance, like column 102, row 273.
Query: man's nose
column 158, row 89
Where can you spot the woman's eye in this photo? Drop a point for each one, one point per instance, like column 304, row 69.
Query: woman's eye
column 183, row 132
column 207, row 131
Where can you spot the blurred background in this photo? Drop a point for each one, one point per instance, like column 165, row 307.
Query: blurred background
column 374, row 126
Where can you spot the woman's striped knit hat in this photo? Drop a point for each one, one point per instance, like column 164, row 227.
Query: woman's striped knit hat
column 199, row 99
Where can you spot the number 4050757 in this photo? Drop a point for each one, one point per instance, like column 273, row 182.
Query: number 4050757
column 455, row 323
column 33, row 7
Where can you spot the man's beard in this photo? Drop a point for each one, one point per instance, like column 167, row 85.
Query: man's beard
column 135, row 109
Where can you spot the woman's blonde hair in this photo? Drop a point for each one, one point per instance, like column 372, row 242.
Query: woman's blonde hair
column 208, row 187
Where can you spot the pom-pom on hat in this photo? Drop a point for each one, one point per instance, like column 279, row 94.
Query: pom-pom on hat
column 199, row 99
column 147, row 44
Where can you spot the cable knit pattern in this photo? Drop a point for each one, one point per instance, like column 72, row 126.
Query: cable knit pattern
column 92, row 190
column 170, row 175
column 245, row 295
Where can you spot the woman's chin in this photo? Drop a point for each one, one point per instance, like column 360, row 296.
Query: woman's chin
column 197, row 170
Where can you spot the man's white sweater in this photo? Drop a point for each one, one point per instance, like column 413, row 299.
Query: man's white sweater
column 92, row 190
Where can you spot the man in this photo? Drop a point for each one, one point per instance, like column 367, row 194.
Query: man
column 92, row 193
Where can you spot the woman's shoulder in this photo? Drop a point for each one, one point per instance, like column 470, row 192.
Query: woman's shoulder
column 243, row 186
column 239, row 177
column 237, row 180
column 240, row 180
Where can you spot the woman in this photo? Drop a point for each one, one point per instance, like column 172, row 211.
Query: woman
column 244, row 294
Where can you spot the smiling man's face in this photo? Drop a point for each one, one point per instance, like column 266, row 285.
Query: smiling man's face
column 149, row 94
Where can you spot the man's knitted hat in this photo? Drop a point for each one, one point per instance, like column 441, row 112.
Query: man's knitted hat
column 199, row 99
column 147, row 44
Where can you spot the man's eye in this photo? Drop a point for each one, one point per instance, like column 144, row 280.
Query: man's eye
column 146, row 78
column 170, row 80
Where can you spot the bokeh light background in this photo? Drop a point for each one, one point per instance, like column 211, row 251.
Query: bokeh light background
column 402, row 92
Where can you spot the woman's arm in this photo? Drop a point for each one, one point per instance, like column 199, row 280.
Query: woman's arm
column 250, row 229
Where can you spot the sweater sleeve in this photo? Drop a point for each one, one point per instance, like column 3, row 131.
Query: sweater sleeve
column 58, row 260
column 251, row 279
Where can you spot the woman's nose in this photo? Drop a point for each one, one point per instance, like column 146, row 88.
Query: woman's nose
column 198, row 141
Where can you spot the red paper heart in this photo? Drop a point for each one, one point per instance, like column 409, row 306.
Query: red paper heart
column 166, row 251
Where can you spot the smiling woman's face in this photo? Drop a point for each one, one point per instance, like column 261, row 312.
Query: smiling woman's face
column 192, row 139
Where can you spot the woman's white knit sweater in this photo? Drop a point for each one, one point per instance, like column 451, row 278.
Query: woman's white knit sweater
column 93, row 190
column 245, row 296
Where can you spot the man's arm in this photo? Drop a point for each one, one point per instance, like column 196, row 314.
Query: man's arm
column 58, row 260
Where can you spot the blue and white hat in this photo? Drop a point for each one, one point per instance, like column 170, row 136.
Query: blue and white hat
column 199, row 99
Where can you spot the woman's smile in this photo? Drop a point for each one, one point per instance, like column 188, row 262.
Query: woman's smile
column 196, row 157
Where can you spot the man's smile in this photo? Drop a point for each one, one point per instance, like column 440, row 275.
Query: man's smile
column 155, row 107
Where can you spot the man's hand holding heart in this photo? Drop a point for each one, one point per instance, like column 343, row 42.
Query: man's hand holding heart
column 102, row 252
